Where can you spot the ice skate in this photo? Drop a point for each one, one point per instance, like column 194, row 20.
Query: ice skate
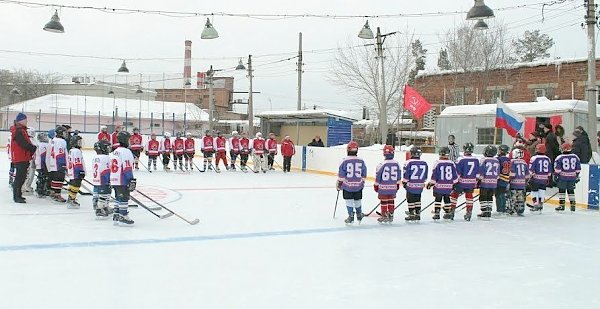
column 468, row 215
column 121, row 220
column 28, row 191
column 350, row 219
column 72, row 204
column 359, row 216
column 436, row 214
column 572, row 208
column 101, row 214
column 56, row 197
column 411, row 215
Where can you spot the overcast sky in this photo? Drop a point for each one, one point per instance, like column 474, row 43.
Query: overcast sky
column 95, row 33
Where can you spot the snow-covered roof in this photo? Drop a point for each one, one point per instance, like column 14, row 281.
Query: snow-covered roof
column 306, row 114
column 80, row 105
column 550, row 106
column 415, row 134
column 375, row 122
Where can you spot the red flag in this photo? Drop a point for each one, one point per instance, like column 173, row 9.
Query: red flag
column 415, row 103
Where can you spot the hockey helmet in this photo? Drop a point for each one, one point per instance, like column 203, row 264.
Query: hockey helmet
column 188, row 134
column 123, row 138
column 42, row 137
column 219, row 133
column 208, row 132
column 30, row 132
column 60, row 131
column 234, row 133
column 102, row 147
column 178, row 134
column 51, row 133
column 503, row 150
column 103, row 128
column 153, row 135
column 167, row 134
column 468, row 148
column 415, row 152
column 258, row 134
column 388, row 151
column 136, row 130
column 540, row 148
column 76, row 141
column 352, row 147
column 566, row 147
column 518, row 153
column 490, row 151
column 444, row 152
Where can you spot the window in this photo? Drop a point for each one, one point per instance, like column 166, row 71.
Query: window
column 485, row 136
column 499, row 94
column 156, row 125
column 460, row 97
column 540, row 92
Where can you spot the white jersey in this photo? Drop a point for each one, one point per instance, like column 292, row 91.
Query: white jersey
column 56, row 155
column 40, row 155
column 75, row 164
column 8, row 146
column 121, row 163
column 101, row 168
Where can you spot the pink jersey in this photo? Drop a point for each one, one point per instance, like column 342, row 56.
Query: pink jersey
column 234, row 144
column 190, row 146
column 153, row 147
column 258, row 144
column 272, row 145
column 221, row 141
column 135, row 142
column 165, row 145
column 178, row 146
column 208, row 144
column 244, row 145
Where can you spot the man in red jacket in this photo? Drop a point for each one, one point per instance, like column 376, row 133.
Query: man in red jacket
column 103, row 134
column 21, row 152
column 287, row 151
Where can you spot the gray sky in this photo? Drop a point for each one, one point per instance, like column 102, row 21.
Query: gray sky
column 95, row 33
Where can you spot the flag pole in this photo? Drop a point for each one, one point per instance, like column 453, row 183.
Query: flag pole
column 495, row 134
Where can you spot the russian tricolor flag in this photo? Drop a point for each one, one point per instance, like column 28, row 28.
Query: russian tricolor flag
column 508, row 119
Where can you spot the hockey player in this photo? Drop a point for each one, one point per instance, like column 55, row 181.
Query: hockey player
column 165, row 149
column 76, row 170
column 413, row 180
column 387, row 183
column 27, row 186
column 467, row 168
column 245, row 147
column 113, row 137
column 540, row 169
column 351, row 179
column 56, row 161
column 503, row 179
column 567, row 167
column 443, row 179
column 101, row 180
column 234, row 148
column 41, row 185
column 208, row 149
column 121, row 178
column 258, row 153
column 288, row 150
column 519, row 174
column 271, row 146
column 489, row 171
column 152, row 150
column 103, row 134
column 221, row 145
column 190, row 151
column 135, row 144
column 178, row 151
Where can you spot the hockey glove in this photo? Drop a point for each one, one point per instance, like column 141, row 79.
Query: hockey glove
column 132, row 184
column 555, row 178
column 81, row 175
column 338, row 186
column 430, row 185
column 376, row 187
column 404, row 184
column 145, row 152
column 577, row 179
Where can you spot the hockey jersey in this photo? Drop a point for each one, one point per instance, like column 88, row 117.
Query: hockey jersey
column 387, row 177
column 135, row 142
column 8, row 146
column 100, row 165
column 165, row 145
column 234, row 145
column 75, row 164
column 208, row 144
column 104, row 136
column 40, row 156
column 444, row 176
column 179, row 146
column 190, row 146
column 121, row 161
column 489, row 171
column 567, row 167
column 115, row 140
column 271, row 145
column 467, row 168
column 519, row 172
column 56, row 155
column 245, row 145
column 539, row 167
column 352, row 173
column 221, row 143
column 258, row 145
column 152, row 147
column 504, row 176
column 415, row 174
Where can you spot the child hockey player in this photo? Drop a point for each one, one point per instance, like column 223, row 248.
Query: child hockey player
column 288, row 150
column 489, row 170
column 190, row 151
column 221, row 144
column 413, row 180
column 566, row 170
column 101, row 180
column 258, row 151
column 467, row 168
column 165, row 149
column 540, row 169
column 351, row 179
column 208, row 149
column 113, row 137
column 152, row 150
column 271, row 146
column 76, row 170
column 234, row 148
column 121, row 178
column 503, row 179
column 103, row 134
column 41, row 185
column 178, row 150
column 245, row 146
column 56, row 161
column 443, row 179
column 387, row 183
column 519, row 174
column 135, row 144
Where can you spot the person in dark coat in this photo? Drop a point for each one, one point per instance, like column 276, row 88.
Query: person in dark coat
column 581, row 145
column 21, row 152
column 552, row 146
column 316, row 142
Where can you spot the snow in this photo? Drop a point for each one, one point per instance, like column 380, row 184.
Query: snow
column 269, row 241
column 319, row 113
column 522, row 108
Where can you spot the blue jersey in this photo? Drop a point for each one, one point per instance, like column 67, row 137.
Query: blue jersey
column 567, row 166
column 539, row 167
column 489, row 170
column 387, row 177
column 504, row 176
column 443, row 176
column 415, row 175
column 352, row 173
column 519, row 173
column 467, row 168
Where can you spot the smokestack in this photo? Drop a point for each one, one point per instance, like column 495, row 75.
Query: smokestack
column 187, row 65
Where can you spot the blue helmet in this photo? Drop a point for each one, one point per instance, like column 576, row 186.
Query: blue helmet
column 51, row 133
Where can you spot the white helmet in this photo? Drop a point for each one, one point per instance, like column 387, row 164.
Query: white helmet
column 31, row 132
column 188, row 134
column 258, row 134
column 167, row 134
column 103, row 128
column 234, row 133
column 517, row 153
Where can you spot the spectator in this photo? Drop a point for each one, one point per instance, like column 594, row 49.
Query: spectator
column 532, row 143
column 316, row 142
column 287, row 151
column 581, row 145
column 559, row 131
column 552, row 149
column 22, row 150
column 454, row 150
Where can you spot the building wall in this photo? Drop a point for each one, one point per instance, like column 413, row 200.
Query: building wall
column 306, row 135
column 222, row 95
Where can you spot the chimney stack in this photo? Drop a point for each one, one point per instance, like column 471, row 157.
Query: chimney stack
column 187, row 65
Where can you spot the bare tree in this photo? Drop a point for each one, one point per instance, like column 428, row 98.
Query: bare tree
column 30, row 84
column 356, row 69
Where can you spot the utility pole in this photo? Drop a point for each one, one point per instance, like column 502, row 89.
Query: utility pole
column 592, row 94
column 300, row 71
column 383, row 124
column 250, row 101
column 211, row 103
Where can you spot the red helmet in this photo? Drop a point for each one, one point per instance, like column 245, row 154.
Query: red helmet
column 540, row 148
column 566, row 147
column 388, row 149
column 352, row 146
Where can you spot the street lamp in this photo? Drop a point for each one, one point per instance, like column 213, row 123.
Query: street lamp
column 241, row 66
column 480, row 11
column 481, row 25
column 209, row 31
column 123, row 68
column 54, row 24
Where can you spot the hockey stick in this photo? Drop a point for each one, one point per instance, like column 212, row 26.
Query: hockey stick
column 275, row 161
column 372, row 210
column 193, row 222
column 336, row 201
column 213, row 167
column 144, row 166
column 199, row 170
column 150, row 210
column 422, row 209
column 377, row 212
column 464, row 204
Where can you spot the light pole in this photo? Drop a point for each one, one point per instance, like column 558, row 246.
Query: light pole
column 241, row 66
column 211, row 102
column 592, row 94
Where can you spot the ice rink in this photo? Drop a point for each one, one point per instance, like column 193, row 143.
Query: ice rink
column 269, row 241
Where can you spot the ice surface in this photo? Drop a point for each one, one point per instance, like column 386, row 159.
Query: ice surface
column 269, row 241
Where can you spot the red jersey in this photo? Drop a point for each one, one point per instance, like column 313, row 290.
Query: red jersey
column 135, row 142
column 178, row 146
column 258, row 145
column 208, row 144
column 153, row 146
column 166, row 145
column 190, row 146
column 244, row 145
column 104, row 136
column 221, row 141
column 114, row 140
column 272, row 145
column 287, row 148
column 234, row 145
